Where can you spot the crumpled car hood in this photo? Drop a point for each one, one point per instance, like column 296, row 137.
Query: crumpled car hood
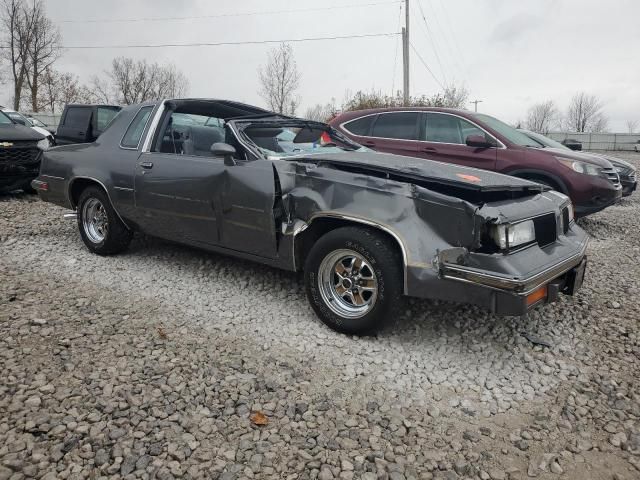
column 445, row 173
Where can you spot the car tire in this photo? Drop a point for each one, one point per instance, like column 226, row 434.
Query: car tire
column 353, row 279
column 101, row 229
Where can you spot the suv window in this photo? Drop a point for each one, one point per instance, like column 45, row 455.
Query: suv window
column 360, row 126
column 77, row 117
column 105, row 115
column 133, row 134
column 401, row 125
column 443, row 128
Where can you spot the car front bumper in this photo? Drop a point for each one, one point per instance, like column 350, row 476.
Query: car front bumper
column 509, row 284
column 601, row 199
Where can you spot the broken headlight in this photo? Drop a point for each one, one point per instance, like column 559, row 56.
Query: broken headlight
column 508, row 236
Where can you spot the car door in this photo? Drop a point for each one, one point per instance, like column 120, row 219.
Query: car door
column 74, row 126
column 185, row 193
column 443, row 139
column 394, row 132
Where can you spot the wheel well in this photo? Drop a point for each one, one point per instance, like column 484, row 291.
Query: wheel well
column 305, row 240
column 78, row 186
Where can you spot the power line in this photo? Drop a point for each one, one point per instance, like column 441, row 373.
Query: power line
column 224, row 15
column 220, row 44
column 460, row 58
column 433, row 42
column 426, row 66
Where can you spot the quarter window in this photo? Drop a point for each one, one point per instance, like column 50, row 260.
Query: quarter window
column 133, row 134
column 360, row 126
column 400, row 125
column 443, row 128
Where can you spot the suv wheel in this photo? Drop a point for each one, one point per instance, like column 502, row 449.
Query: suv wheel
column 100, row 228
column 353, row 279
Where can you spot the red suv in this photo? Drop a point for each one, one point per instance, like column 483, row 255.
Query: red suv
column 481, row 141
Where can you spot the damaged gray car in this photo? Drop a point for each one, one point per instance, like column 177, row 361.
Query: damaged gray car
column 365, row 228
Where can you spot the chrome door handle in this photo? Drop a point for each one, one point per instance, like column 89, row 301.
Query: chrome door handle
column 147, row 165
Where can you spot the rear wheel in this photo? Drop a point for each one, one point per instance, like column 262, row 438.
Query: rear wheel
column 101, row 229
column 353, row 279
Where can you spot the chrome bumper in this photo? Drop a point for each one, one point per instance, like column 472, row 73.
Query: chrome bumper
column 516, row 286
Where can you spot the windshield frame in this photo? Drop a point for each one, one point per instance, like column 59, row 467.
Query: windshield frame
column 506, row 131
column 238, row 126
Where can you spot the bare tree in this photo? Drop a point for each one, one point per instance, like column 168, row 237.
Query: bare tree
column 134, row 81
column 585, row 114
column 17, row 21
column 322, row 113
column 60, row 88
column 43, row 50
column 280, row 80
column 542, row 116
column 455, row 96
column 632, row 126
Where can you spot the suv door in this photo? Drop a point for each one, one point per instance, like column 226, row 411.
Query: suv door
column 394, row 132
column 444, row 139
column 75, row 125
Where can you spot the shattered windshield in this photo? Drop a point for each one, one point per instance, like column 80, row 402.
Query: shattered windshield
column 283, row 139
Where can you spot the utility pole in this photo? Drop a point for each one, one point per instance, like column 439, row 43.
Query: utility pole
column 476, row 102
column 405, row 53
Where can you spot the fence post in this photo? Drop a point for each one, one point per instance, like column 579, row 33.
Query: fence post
column 615, row 141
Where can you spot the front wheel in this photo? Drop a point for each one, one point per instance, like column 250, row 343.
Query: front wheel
column 101, row 229
column 353, row 279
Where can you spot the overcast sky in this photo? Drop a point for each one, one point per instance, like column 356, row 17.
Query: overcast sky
column 510, row 54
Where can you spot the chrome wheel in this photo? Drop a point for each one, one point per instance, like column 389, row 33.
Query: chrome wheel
column 95, row 221
column 347, row 283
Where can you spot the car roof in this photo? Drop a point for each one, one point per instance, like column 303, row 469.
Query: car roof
column 372, row 111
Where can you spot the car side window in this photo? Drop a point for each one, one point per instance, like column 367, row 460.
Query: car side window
column 77, row 117
column 400, row 125
column 443, row 128
column 192, row 134
column 133, row 134
column 360, row 126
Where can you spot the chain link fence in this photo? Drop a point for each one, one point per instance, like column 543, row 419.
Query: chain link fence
column 601, row 141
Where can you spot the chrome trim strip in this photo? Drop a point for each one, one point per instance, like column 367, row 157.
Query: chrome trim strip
column 500, row 146
column 384, row 228
column 146, row 146
column 513, row 285
column 105, row 189
column 129, row 126
column 52, row 176
column 124, row 189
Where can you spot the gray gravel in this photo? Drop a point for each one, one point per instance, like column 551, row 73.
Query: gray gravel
column 150, row 364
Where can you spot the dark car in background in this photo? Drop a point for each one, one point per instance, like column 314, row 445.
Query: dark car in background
column 84, row 123
column 572, row 144
column 626, row 171
column 20, row 152
column 481, row 141
column 364, row 227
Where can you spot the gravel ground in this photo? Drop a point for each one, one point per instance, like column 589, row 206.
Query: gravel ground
column 152, row 364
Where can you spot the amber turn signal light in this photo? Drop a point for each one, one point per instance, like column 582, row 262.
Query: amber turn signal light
column 537, row 295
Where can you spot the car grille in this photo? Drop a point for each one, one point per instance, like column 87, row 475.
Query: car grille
column 20, row 153
column 612, row 175
column 546, row 229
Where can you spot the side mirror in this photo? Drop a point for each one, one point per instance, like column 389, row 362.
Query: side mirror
column 220, row 149
column 478, row 141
